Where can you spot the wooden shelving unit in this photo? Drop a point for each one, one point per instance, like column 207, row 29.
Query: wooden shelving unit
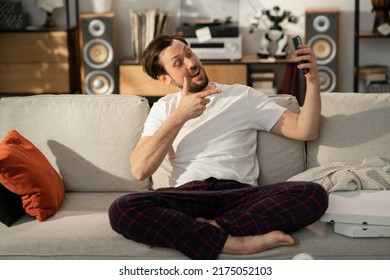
column 41, row 60
column 132, row 80
column 360, row 35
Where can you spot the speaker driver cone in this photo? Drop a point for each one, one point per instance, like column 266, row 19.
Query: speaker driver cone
column 327, row 79
column 98, row 53
column 324, row 47
column 99, row 82
column 321, row 23
column 96, row 28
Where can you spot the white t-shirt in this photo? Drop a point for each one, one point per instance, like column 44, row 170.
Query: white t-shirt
column 222, row 142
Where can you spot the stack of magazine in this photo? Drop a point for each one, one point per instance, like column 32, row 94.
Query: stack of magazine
column 375, row 77
column 145, row 26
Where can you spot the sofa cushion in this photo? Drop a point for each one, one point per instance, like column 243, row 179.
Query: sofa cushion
column 11, row 207
column 160, row 178
column 86, row 138
column 354, row 126
column 279, row 158
column 24, row 170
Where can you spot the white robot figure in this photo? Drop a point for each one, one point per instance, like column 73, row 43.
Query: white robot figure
column 275, row 32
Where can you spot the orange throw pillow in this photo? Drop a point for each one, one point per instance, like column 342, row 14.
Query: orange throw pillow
column 24, row 170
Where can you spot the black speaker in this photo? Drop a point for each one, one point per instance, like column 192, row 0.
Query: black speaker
column 322, row 35
column 97, row 52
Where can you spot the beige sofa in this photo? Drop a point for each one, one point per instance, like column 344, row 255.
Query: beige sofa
column 88, row 140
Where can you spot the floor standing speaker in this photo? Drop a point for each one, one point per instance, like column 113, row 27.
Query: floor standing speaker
column 322, row 35
column 97, row 53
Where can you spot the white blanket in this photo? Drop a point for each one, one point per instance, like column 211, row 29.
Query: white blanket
column 371, row 174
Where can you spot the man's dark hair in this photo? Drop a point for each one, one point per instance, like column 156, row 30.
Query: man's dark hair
column 151, row 56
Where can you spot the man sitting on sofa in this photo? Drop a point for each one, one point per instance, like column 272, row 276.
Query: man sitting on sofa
column 213, row 204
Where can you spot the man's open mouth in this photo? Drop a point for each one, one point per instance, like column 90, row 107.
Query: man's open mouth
column 195, row 73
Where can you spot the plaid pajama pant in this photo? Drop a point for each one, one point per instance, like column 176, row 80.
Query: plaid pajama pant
column 166, row 217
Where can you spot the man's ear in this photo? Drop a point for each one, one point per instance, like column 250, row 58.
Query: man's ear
column 165, row 79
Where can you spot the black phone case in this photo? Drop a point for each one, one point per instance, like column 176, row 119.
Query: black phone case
column 296, row 42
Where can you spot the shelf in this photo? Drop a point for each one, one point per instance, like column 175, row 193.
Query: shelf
column 132, row 79
column 38, row 29
column 47, row 29
column 68, row 5
column 246, row 59
column 254, row 59
column 369, row 34
column 41, row 60
column 360, row 35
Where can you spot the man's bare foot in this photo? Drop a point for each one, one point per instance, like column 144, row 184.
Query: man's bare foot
column 244, row 245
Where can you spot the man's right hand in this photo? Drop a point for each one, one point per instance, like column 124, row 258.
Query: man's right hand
column 192, row 105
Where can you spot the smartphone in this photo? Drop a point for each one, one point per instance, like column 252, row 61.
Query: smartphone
column 296, row 42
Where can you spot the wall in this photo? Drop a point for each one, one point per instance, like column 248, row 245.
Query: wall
column 370, row 48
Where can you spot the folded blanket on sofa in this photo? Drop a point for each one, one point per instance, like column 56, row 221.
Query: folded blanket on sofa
column 371, row 174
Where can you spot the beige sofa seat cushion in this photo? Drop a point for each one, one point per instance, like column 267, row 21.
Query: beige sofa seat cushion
column 81, row 230
column 86, row 138
column 354, row 126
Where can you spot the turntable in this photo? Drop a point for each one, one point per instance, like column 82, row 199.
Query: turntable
column 217, row 28
column 217, row 21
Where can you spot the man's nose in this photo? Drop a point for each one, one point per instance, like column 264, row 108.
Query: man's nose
column 189, row 62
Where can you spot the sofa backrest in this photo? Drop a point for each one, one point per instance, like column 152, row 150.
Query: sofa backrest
column 354, row 126
column 279, row 158
column 87, row 138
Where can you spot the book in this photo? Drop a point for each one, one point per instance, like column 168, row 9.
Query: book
column 262, row 84
column 263, row 75
column 374, row 77
column 264, row 81
column 373, row 68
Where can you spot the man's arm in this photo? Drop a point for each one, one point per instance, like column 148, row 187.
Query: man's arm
column 151, row 150
column 305, row 125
